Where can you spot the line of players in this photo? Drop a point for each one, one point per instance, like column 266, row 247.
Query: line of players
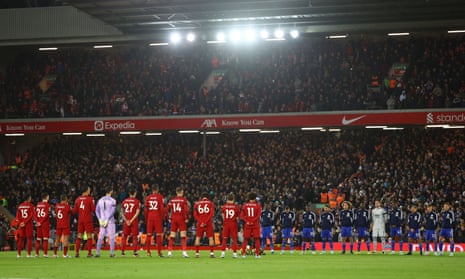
column 362, row 221
column 155, row 212
column 257, row 224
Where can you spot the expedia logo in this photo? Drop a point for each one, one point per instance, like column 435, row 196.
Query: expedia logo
column 430, row 118
column 98, row 125
column 209, row 123
column 113, row 126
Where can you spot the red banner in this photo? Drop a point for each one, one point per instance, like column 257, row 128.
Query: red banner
column 242, row 121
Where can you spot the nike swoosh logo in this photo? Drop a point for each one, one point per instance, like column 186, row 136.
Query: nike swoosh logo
column 350, row 121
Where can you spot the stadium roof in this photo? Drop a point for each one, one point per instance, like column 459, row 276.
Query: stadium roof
column 142, row 17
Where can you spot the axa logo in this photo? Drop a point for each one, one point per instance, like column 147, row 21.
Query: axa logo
column 430, row 118
column 209, row 123
column 349, row 121
column 98, row 125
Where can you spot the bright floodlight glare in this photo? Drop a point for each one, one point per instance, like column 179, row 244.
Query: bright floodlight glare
column 175, row 38
column 279, row 34
column 250, row 35
column 235, row 35
column 190, row 37
column 264, row 34
column 294, row 34
column 220, row 37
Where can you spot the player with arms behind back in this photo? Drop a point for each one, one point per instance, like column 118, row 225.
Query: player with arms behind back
column 230, row 214
column 105, row 211
column 179, row 209
column 287, row 219
column 447, row 228
column 346, row 218
column 24, row 215
column 250, row 214
column 327, row 225
column 308, row 231
column 396, row 219
column 130, row 210
column 84, row 206
column 414, row 225
column 204, row 210
column 378, row 226
column 267, row 223
column 63, row 227
column 362, row 224
column 431, row 225
column 42, row 218
column 154, row 212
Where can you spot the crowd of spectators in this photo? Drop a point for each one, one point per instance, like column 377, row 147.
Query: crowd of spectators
column 304, row 75
column 415, row 166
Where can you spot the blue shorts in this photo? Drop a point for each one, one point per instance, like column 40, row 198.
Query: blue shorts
column 326, row 235
column 362, row 232
column 346, row 231
column 395, row 232
column 267, row 232
column 446, row 232
column 430, row 235
column 307, row 233
column 287, row 233
column 415, row 234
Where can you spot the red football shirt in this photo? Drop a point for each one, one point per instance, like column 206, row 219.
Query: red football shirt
column 250, row 213
column 204, row 210
column 84, row 206
column 154, row 207
column 25, row 213
column 42, row 211
column 63, row 215
column 231, row 212
column 130, row 207
column 179, row 208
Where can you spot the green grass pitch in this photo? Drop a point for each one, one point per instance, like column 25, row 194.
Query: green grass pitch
column 285, row 266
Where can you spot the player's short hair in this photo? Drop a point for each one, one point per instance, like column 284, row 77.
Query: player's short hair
column 204, row 195
column 155, row 188
column 132, row 191
column 63, row 197
column 85, row 188
column 179, row 189
column 44, row 196
column 230, row 197
column 287, row 208
column 252, row 196
column 108, row 189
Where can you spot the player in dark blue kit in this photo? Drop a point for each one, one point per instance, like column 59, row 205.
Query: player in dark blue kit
column 346, row 218
column 327, row 224
column 267, row 223
column 287, row 224
column 308, row 231
column 431, row 225
column 414, row 225
column 447, row 228
column 362, row 224
column 396, row 219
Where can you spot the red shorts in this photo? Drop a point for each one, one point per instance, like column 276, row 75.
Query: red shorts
column 85, row 227
column 230, row 230
column 178, row 223
column 63, row 231
column 43, row 231
column 26, row 231
column 250, row 231
column 154, row 226
column 208, row 230
column 132, row 229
